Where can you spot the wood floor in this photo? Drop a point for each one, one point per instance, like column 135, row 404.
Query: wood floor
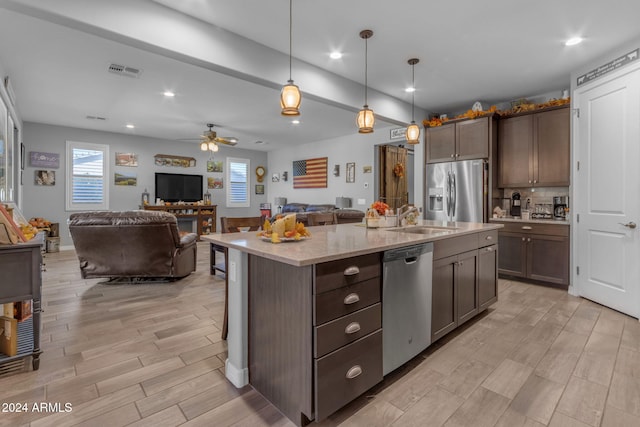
column 151, row 354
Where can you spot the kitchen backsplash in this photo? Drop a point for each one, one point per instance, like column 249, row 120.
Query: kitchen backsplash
column 540, row 196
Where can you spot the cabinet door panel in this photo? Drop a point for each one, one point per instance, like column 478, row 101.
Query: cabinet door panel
column 441, row 143
column 551, row 156
column 444, row 311
column 513, row 255
column 487, row 274
column 514, row 148
column 548, row 259
column 467, row 290
column 472, row 139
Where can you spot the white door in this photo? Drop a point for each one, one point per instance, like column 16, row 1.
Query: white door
column 607, row 191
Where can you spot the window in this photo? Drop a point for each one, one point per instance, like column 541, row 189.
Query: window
column 87, row 171
column 237, row 183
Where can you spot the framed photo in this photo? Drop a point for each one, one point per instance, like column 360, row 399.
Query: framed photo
column 275, row 177
column 215, row 183
column 125, row 179
column 351, row 172
column 366, row 169
column 259, row 189
column 45, row 177
column 127, row 159
column 214, row 166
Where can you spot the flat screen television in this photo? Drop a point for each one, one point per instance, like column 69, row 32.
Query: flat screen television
column 175, row 187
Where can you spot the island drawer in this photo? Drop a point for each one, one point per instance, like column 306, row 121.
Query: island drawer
column 487, row 238
column 454, row 245
column 342, row 301
column 343, row 330
column 345, row 374
column 335, row 274
column 536, row 228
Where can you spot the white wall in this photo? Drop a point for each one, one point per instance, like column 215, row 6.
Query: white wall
column 49, row 202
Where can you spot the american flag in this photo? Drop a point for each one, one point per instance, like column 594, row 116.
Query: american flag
column 311, row 173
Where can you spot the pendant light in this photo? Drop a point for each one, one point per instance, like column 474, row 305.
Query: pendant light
column 365, row 119
column 413, row 131
column 290, row 96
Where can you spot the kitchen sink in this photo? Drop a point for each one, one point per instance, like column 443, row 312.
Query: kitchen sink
column 424, row 229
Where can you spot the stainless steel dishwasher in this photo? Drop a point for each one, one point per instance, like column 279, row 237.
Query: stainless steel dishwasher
column 406, row 304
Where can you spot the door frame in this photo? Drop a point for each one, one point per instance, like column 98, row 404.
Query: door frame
column 574, row 287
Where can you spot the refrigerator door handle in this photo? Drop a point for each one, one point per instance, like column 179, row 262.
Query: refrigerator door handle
column 454, row 194
column 448, row 193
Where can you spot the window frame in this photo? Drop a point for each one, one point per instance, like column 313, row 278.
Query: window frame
column 69, row 205
column 247, row 202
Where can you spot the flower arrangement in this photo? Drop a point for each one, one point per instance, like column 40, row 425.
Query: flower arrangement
column 398, row 170
column 380, row 207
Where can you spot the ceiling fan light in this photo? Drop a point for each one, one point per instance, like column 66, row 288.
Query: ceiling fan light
column 212, row 146
column 290, row 100
column 365, row 120
column 413, row 133
column 204, row 146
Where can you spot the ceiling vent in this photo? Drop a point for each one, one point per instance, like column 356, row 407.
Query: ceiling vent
column 96, row 118
column 124, row 70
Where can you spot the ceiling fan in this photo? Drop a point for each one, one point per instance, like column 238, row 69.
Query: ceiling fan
column 209, row 140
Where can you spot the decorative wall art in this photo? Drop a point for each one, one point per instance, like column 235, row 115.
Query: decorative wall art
column 171, row 160
column 44, row 160
column 311, row 173
column 214, row 166
column 259, row 189
column 215, row 183
column 126, row 179
column 275, row 177
column 127, row 159
column 351, row 172
column 367, row 169
column 45, row 177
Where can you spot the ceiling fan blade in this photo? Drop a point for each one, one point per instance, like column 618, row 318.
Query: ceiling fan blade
column 226, row 141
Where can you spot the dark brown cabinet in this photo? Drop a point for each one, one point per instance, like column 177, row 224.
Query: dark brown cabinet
column 534, row 149
column 459, row 140
column 464, row 283
column 535, row 251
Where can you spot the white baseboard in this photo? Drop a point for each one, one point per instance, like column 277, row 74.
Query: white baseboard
column 238, row 377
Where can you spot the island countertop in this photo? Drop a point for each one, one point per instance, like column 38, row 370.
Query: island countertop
column 331, row 242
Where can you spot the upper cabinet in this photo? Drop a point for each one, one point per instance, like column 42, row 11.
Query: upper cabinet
column 534, row 149
column 459, row 140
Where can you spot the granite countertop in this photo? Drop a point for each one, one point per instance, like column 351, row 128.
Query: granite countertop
column 331, row 242
column 533, row 221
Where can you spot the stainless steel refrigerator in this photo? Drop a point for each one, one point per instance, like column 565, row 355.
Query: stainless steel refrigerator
column 455, row 191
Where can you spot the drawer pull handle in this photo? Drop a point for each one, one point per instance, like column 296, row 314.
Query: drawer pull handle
column 489, row 237
column 489, row 249
column 351, row 299
column 352, row 328
column 351, row 271
column 527, row 227
column 353, row 372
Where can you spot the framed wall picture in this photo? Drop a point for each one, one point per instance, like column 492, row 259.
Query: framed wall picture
column 125, row 179
column 127, row 159
column 259, row 189
column 275, row 177
column 351, row 172
column 45, row 177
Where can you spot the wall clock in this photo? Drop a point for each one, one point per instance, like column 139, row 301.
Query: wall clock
column 260, row 171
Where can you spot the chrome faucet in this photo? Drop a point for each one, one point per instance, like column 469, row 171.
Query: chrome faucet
column 403, row 215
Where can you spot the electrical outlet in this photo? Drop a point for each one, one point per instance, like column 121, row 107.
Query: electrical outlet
column 232, row 271
column 362, row 202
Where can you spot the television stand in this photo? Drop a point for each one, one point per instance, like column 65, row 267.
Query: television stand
column 203, row 215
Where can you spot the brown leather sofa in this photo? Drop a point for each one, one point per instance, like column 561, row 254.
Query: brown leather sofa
column 132, row 244
column 344, row 216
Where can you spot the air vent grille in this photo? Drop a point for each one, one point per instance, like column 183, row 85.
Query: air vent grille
column 96, row 118
column 124, row 70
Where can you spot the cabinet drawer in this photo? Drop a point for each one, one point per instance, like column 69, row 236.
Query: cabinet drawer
column 536, row 228
column 336, row 274
column 487, row 238
column 346, row 300
column 454, row 245
column 345, row 374
column 343, row 330
column 17, row 274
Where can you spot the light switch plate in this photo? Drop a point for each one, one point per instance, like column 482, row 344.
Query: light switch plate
column 362, row 201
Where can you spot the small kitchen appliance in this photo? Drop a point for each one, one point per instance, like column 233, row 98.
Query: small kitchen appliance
column 560, row 203
column 515, row 204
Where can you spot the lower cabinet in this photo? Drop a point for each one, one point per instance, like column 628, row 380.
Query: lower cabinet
column 535, row 251
column 465, row 283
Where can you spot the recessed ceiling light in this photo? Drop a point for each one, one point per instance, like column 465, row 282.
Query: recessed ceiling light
column 573, row 41
column 335, row 55
column 130, row 126
column 410, row 89
column 169, row 94
column 295, row 122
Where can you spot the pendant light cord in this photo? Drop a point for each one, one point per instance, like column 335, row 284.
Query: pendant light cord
column 366, row 56
column 413, row 93
column 290, row 35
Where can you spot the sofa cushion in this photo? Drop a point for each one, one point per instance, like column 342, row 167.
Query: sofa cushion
column 294, row 207
column 320, row 208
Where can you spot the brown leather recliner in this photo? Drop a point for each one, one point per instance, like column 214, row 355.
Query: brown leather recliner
column 132, row 244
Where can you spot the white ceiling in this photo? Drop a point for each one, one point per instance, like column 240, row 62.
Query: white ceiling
column 56, row 54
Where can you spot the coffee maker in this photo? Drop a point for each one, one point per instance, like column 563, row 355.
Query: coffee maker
column 515, row 204
column 560, row 203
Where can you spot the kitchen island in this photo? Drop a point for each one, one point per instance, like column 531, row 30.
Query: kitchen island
column 305, row 317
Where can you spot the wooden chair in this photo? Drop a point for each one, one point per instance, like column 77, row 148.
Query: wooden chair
column 322, row 218
column 232, row 225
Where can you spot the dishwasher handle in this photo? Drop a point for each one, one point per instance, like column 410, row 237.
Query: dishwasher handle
column 411, row 260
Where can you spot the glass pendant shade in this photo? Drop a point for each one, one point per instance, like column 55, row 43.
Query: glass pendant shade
column 290, row 100
column 365, row 120
column 204, row 146
column 413, row 133
column 213, row 146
